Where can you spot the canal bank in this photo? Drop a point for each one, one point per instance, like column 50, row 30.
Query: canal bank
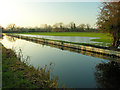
column 17, row 74
column 85, row 47
column 75, row 68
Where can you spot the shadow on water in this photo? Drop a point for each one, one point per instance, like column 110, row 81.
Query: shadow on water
column 107, row 75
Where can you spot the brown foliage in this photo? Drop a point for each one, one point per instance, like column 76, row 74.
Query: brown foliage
column 109, row 20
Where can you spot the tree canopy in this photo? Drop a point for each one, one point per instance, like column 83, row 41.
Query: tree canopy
column 109, row 20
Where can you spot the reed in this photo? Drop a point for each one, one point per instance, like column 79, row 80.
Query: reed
column 18, row 74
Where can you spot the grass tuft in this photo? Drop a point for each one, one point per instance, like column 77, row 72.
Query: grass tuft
column 17, row 74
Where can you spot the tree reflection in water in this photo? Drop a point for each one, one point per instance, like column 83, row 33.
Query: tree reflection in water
column 108, row 75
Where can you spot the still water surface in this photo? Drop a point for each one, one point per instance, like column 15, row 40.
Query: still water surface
column 65, row 38
column 75, row 70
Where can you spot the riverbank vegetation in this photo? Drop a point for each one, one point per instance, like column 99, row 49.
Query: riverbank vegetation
column 17, row 74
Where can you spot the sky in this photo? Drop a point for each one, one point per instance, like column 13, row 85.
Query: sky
column 31, row 13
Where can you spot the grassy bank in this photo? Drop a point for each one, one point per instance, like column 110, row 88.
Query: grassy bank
column 17, row 74
column 97, row 45
column 81, row 34
column 103, row 37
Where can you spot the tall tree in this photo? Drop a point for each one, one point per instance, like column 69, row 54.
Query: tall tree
column 109, row 21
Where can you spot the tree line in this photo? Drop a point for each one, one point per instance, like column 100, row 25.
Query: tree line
column 58, row 27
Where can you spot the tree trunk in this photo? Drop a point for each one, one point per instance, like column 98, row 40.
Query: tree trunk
column 116, row 42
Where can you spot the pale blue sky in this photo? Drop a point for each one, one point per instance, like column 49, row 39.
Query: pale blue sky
column 37, row 13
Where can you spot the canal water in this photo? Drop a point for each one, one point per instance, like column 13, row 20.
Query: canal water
column 74, row 70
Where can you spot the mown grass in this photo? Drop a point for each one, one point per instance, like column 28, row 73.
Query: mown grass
column 81, row 34
column 103, row 37
column 17, row 74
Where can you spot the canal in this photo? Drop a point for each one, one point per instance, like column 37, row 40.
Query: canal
column 74, row 70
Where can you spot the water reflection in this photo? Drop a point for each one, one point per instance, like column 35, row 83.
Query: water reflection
column 74, row 50
column 75, row 68
column 108, row 75
column 11, row 39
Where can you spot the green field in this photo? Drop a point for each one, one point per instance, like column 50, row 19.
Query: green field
column 104, row 37
column 88, row 34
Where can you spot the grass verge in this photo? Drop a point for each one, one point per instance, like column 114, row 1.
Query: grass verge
column 81, row 34
column 103, row 37
column 17, row 74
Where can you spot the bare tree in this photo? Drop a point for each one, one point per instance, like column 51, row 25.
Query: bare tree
column 82, row 26
column 11, row 27
column 72, row 26
column 88, row 26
